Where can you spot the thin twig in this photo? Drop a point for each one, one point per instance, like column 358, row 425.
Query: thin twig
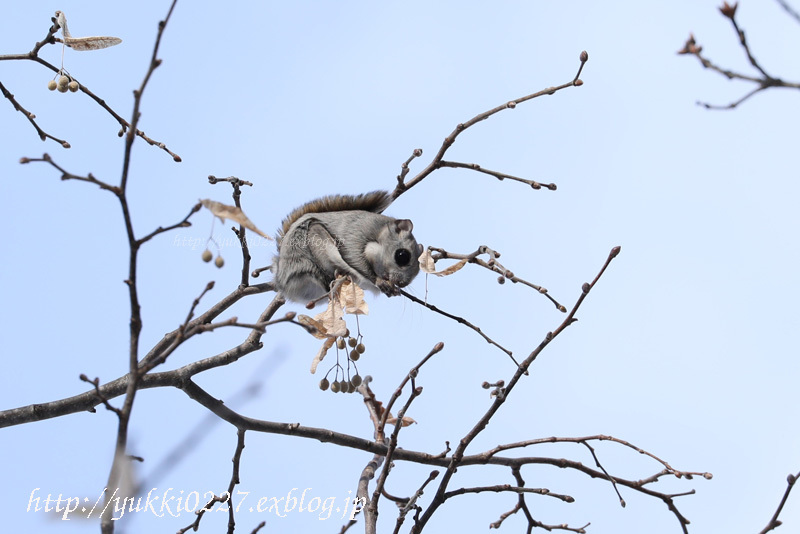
column 387, row 463
column 733, row 104
column 227, row 496
column 260, row 327
column 31, row 118
column 412, row 501
column 499, row 488
column 404, row 168
column 774, row 522
column 207, row 508
column 603, row 469
column 69, row 176
column 459, row 320
column 412, row 374
column 669, row 470
column 499, row 175
column 96, row 384
column 190, row 315
column 184, row 223
column 236, row 183
column 791, row 11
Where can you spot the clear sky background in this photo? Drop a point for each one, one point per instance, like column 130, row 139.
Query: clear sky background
column 687, row 347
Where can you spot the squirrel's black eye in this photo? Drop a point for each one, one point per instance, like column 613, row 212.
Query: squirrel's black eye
column 402, row 257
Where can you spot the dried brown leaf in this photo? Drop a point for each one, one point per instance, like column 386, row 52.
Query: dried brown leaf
column 323, row 350
column 426, row 263
column 316, row 328
column 91, row 43
column 453, row 268
column 332, row 319
column 406, row 421
column 84, row 43
column 351, row 298
column 223, row 211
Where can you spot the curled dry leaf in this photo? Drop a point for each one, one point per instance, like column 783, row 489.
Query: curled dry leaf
column 323, row 350
column 351, row 298
column 328, row 324
column 223, row 211
column 427, row 265
column 453, row 268
column 315, row 327
column 405, row 421
column 332, row 320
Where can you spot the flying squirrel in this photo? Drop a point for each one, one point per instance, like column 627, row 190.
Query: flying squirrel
column 344, row 234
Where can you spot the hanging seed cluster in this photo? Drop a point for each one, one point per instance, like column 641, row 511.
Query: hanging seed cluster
column 347, row 382
column 65, row 83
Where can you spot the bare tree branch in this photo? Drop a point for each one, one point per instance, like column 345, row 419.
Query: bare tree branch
column 31, row 118
column 499, row 175
column 436, row 163
column 493, row 265
column 69, row 176
column 791, row 11
column 236, row 183
column 458, row 455
column 763, row 82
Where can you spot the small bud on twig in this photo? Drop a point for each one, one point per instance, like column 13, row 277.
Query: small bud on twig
column 728, row 10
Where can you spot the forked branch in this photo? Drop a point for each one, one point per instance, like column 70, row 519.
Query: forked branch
column 762, row 80
column 438, row 160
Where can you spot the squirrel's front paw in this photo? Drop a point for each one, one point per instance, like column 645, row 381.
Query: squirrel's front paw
column 387, row 288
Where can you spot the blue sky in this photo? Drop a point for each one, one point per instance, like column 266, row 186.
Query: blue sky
column 685, row 348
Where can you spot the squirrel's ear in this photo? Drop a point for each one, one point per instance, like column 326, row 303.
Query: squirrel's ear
column 401, row 225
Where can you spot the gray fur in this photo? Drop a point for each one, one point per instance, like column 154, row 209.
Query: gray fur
column 314, row 247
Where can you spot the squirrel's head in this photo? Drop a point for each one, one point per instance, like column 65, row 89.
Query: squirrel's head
column 399, row 259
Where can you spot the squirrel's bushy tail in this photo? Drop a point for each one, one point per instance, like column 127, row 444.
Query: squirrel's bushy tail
column 375, row 202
